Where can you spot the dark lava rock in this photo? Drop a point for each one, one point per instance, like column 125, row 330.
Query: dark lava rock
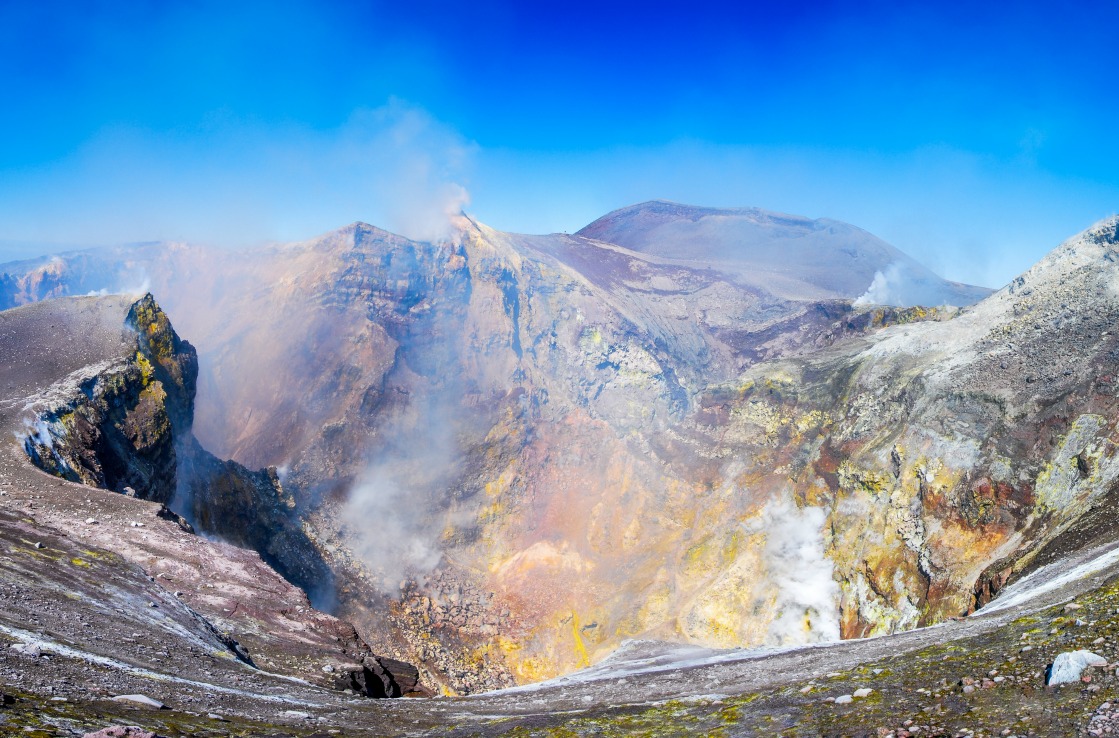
column 379, row 676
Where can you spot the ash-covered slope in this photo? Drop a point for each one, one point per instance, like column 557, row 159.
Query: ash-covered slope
column 792, row 256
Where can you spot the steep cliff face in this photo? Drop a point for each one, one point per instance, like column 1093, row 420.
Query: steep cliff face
column 980, row 440
column 118, row 588
column 128, row 429
column 124, row 424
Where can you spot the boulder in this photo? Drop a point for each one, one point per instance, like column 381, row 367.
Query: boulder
column 378, row 676
column 1068, row 666
column 403, row 675
column 122, row 731
column 27, row 649
column 140, row 699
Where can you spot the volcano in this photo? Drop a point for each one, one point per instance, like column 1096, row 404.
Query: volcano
column 515, row 455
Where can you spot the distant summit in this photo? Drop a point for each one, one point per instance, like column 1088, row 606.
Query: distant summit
column 789, row 255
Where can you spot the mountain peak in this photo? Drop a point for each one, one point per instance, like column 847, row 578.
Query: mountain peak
column 790, row 255
column 663, row 211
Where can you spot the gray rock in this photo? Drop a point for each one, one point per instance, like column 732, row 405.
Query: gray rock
column 140, row 699
column 121, row 731
column 1068, row 666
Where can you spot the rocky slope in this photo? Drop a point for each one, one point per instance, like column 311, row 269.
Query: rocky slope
column 945, row 454
column 99, row 391
column 981, row 676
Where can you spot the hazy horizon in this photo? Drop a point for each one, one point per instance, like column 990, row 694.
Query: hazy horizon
column 973, row 139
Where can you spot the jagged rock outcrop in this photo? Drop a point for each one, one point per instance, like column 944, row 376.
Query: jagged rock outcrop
column 122, row 422
column 128, row 429
column 118, row 429
column 378, row 676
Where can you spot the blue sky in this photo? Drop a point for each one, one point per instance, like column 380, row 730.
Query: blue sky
column 973, row 138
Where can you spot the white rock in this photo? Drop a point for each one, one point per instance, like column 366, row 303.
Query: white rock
column 844, row 699
column 860, row 693
column 1068, row 666
column 91, row 521
column 27, row 649
column 139, row 699
column 297, row 714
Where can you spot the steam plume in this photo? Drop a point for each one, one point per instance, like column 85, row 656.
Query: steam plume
column 805, row 604
column 392, row 514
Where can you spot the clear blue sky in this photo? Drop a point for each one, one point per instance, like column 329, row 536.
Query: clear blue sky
column 975, row 138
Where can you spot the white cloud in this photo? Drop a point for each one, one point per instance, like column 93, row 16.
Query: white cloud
column 235, row 182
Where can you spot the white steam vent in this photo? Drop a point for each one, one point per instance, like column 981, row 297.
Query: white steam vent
column 806, row 609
